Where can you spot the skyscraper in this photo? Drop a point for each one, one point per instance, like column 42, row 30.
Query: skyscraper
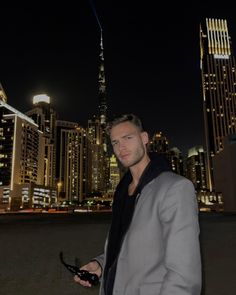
column 45, row 117
column 217, row 65
column 102, row 107
column 159, row 143
column 98, row 137
column 196, row 170
column 21, row 153
column 102, row 87
column 73, row 163
column 98, row 156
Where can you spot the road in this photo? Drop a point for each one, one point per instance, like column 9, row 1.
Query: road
column 30, row 246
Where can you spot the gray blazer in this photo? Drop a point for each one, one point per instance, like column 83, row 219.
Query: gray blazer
column 160, row 254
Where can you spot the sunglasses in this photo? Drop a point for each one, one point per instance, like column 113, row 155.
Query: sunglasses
column 81, row 273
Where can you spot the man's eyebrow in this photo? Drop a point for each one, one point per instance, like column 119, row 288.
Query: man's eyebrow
column 128, row 134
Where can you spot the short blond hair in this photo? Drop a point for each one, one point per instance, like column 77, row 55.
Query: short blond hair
column 125, row 118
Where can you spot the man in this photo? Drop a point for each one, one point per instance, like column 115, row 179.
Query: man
column 153, row 243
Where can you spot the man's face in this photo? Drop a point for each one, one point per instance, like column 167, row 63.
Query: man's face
column 129, row 143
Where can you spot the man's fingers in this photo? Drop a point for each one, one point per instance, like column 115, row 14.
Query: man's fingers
column 82, row 282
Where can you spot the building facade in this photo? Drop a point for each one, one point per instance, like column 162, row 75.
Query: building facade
column 224, row 170
column 217, row 63
column 114, row 174
column 196, row 168
column 21, row 153
column 45, row 117
column 99, row 169
column 160, row 144
column 73, row 177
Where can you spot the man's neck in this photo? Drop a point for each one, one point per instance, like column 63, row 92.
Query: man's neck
column 138, row 169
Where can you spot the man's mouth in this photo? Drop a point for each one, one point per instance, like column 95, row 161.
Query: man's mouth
column 124, row 156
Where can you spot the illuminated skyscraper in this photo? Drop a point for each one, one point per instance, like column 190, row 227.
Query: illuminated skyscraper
column 102, row 107
column 159, row 143
column 217, row 65
column 176, row 160
column 101, row 80
column 196, row 168
column 99, row 169
column 61, row 125
column 73, row 164
column 21, row 153
column 97, row 136
column 114, row 174
column 102, row 88
column 45, row 117
column 60, row 144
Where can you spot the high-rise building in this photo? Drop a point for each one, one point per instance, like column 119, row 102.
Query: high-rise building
column 102, row 96
column 21, row 146
column 73, row 164
column 217, row 64
column 97, row 136
column 159, row 143
column 102, row 87
column 114, row 174
column 99, row 158
column 225, row 178
column 21, row 152
column 176, row 160
column 196, row 168
column 45, row 117
column 60, row 126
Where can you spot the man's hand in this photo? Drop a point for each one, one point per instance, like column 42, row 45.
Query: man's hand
column 92, row 267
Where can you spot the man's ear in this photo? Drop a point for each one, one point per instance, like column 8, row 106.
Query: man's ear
column 145, row 137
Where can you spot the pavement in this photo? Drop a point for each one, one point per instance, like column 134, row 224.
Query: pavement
column 30, row 245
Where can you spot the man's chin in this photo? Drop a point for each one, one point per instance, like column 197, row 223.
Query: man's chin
column 126, row 164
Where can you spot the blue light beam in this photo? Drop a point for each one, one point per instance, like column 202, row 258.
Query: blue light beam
column 95, row 14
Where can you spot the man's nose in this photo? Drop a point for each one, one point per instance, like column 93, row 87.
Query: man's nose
column 121, row 145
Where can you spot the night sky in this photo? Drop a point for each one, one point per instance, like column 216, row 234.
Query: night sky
column 151, row 60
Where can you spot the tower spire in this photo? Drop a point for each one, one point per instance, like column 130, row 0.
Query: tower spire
column 101, row 77
column 102, row 87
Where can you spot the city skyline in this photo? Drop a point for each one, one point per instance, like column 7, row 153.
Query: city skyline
column 151, row 63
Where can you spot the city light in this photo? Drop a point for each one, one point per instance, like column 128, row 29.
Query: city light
column 41, row 98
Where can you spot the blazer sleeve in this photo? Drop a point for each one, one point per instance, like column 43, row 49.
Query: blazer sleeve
column 179, row 218
column 100, row 260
